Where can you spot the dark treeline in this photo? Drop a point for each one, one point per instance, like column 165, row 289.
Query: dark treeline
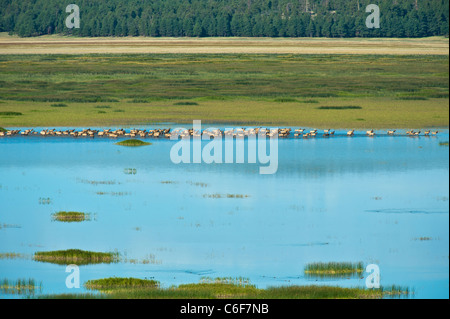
column 223, row 18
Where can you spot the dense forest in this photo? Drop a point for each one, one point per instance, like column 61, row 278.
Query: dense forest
column 224, row 18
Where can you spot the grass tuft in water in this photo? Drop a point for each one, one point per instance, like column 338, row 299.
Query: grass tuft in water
column 12, row 256
column 58, row 105
column 225, row 196
column 443, row 143
column 20, row 287
column 118, row 283
column 70, row 217
column 334, row 268
column 133, row 143
column 77, row 257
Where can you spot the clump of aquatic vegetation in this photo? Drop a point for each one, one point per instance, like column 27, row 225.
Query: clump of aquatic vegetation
column 12, row 256
column 423, row 238
column 130, row 171
column 118, row 283
column 200, row 184
column 77, row 257
column 334, row 268
column 169, row 182
column 149, row 259
column 133, row 142
column 45, row 201
column 113, row 193
column 396, row 291
column 20, row 287
column 58, row 105
column 237, row 281
column 443, row 143
column 225, row 196
column 229, row 288
column 70, row 217
column 85, row 181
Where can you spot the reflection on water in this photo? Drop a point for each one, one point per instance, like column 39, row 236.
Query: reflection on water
column 340, row 199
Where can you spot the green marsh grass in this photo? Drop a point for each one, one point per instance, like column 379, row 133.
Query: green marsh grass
column 76, row 256
column 70, row 217
column 12, row 256
column 229, row 288
column 27, row 287
column 120, row 283
column 58, row 105
column 133, row 143
column 221, row 82
column 333, row 269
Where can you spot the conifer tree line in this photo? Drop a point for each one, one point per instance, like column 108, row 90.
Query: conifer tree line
column 226, row 18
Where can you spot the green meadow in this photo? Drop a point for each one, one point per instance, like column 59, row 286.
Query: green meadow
column 339, row 91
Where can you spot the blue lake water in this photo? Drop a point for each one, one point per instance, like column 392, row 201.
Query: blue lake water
column 337, row 199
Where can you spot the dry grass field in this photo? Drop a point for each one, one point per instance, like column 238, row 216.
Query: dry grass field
column 141, row 45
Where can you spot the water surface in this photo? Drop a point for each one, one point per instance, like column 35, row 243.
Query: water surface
column 338, row 199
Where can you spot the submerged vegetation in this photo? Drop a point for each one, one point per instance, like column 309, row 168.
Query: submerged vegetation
column 70, row 217
column 334, row 268
column 77, row 257
column 443, row 143
column 20, row 287
column 12, row 256
column 133, row 143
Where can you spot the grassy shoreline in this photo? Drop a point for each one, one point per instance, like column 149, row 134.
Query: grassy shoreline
column 224, row 288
